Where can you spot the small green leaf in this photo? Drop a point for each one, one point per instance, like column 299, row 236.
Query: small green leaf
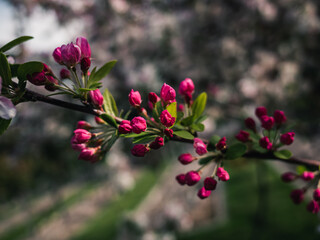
column 235, row 151
column 102, row 72
column 109, row 119
column 172, row 109
column 254, row 136
column 187, row 121
column 199, row 105
column 179, row 116
column 145, row 139
column 300, row 169
column 84, row 90
column 5, row 71
column 201, row 118
column 205, row 160
column 29, row 68
column 283, row 154
column 158, row 108
column 111, row 141
column 212, row 143
column 14, row 43
column 184, row 134
column 4, row 124
column 109, row 103
column 198, row 127
column 14, row 69
column 133, row 135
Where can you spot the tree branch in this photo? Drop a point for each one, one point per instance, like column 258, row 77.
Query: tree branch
column 34, row 97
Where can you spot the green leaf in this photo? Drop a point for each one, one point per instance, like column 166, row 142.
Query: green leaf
column 109, row 103
column 212, row 143
column 14, row 69
column 4, row 124
column 184, row 134
column 198, row 127
column 158, row 108
column 14, row 43
column 205, row 160
column 145, row 139
column 133, row 135
column 111, row 141
column 109, row 119
column 102, row 72
column 235, row 151
column 29, row 68
column 300, row 169
column 84, row 90
column 254, row 136
column 283, row 154
column 172, row 109
column 179, row 116
column 187, row 121
column 5, row 71
column 201, row 118
column 199, row 105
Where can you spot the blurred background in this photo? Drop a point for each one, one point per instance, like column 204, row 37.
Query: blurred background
column 243, row 53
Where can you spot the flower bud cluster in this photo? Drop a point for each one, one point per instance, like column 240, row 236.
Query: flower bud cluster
column 192, row 177
column 297, row 195
column 87, row 143
column 44, row 78
column 272, row 138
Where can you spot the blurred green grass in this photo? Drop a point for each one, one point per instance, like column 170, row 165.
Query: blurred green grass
column 279, row 217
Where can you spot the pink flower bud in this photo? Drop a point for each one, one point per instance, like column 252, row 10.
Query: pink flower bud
column 203, row 193
column 243, row 136
column 51, row 83
column 65, row 73
column 153, row 98
column 287, row 138
column 307, row 176
column 199, row 146
column 167, row 94
column 89, row 154
column 157, row 143
column 297, row 196
column 38, row 78
column 222, row 144
column 180, row 108
column 139, row 150
column 138, row 125
column 85, row 64
column 99, row 120
column 125, row 127
column 166, row 119
column 267, row 122
column 150, row 105
column 250, row 123
column 134, row 98
column 316, row 194
column 222, row 174
column 181, row 179
column 84, row 47
column 192, row 178
column 186, row 158
column 313, row 207
column 70, row 54
column 261, row 111
column 57, row 55
column 279, row 117
column 168, row 132
column 186, row 87
column 78, row 146
column 289, row 177
column 81, row 136
column 96, row 97
column 210, row 183
column 84, row 125
column 265, row 143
